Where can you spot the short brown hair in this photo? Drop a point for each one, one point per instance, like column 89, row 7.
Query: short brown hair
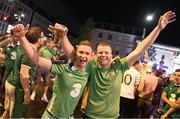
column 177, row 70
column 136, row 62
column 104, row 43
column 86, row 43
column 33, row 34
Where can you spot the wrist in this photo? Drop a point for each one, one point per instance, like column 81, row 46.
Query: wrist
column 26, row 90
column 158, row 28
column 22, row 37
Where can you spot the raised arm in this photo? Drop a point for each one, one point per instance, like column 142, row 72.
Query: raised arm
column 164, row 20
column 30, row 51
column 5, row 41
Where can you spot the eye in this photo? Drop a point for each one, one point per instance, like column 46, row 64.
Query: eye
column 87, row 53
column 106, row 53
column 99, row 52
column 81, row 52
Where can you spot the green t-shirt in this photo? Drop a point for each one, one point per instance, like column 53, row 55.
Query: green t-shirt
column 173, row 93
column 67, row 90
column 104, row 89
column 10, row 51
column 47, row 53
column 21, row 59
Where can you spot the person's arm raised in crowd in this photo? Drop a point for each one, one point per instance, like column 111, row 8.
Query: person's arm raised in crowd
column 164, row 20
column 60, row 32
column 20, row 31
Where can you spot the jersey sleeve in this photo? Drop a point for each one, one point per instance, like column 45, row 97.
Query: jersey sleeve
column 121, row 64
column 58, row 68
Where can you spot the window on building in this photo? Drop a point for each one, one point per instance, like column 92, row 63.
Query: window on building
column 3, row 26
column 109, row 37
column 116, row 52
column 1, row 6
column 8, row 9
column 1, row 17
column 100, row 35
column 4, row 8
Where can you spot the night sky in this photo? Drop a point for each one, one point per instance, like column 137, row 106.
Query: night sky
column 129, row 13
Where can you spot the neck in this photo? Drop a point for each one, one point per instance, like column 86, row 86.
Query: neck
column 35, row 46
column 105, row 67
column 79, row 68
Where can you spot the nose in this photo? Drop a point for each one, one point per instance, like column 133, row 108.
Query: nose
column 103, row 54
column 83, row 55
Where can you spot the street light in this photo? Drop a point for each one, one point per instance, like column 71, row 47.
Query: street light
column 148, row 19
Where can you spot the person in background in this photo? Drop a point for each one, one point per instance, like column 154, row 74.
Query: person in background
column 22, row 76
column 50, row 53
column 8, row 55
column 171, row 97
column 129, row 86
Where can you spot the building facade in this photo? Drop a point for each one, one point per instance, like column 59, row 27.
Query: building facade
column 122, row 43
column 41, row 21
column 24, row 14
column 5, row 6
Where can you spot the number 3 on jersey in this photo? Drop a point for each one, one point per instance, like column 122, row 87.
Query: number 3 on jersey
column 77, row 89
column 13, row 55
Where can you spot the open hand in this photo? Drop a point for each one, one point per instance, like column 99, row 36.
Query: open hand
column 167, row 18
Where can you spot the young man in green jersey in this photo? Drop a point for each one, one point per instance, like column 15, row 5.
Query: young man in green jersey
column 50, row 53
column 70, row 78
column 21, row 77
column 171, row 97
column 9, row 55
column 106, row 76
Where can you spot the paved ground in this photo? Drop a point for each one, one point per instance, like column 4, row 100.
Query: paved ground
column 37, row 106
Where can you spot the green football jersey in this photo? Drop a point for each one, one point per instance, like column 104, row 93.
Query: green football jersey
column 21, row 59
column 10, row 51
column 67, row 90
column 173, row 93
column 105, row 85
column 47, row 53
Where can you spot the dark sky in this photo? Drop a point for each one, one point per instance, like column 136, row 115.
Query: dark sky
column 129, row 13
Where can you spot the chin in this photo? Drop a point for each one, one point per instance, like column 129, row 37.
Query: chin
column 104, row 64
column 83, row 65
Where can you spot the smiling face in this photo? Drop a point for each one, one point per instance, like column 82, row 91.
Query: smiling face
column 83, row 55
column 176, row 76
column 104, row 55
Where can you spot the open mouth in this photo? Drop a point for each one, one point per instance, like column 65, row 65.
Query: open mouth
column 83, row 60
column 103, row 58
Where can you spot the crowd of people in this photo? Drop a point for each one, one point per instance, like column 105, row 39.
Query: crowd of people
column 108, row 88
